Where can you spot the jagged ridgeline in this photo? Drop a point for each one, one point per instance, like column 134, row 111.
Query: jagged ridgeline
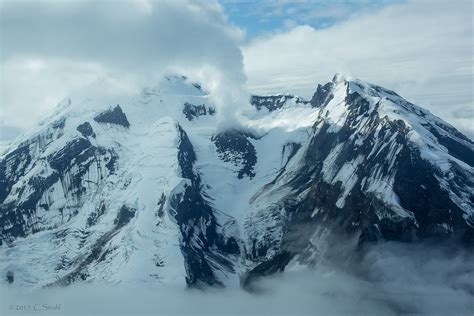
column 146, row 189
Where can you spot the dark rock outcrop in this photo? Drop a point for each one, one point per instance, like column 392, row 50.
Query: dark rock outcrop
column 233, row 146
column 86, row 129
column 69, row 166
column 274, row 102
column 192, row 111
column 203, row 248
column 372, row 186
column 113, row 116
column 323, row 95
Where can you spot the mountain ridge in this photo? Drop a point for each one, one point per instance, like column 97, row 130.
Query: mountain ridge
column 153, row 192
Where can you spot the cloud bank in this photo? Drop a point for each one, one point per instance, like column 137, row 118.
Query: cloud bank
column 390, row 279
column 421, row 49
column 52, row 47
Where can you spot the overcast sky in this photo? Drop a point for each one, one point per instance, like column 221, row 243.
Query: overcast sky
column 422, row 49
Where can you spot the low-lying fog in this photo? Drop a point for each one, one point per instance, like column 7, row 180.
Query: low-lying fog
column 392, row 279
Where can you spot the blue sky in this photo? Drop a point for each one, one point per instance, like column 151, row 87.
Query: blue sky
column 260, row 17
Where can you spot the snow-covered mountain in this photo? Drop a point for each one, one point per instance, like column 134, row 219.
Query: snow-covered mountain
column 133, row 189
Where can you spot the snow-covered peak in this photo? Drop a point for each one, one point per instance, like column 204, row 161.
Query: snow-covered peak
column 124, row 185
column 338, row 78
column 377, row 119
column 345, row 94
column 108, row 91
column 176, row 84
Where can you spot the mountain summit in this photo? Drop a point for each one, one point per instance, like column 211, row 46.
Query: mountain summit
column 144, row 188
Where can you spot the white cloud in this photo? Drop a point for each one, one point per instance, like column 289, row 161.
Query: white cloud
column 421, row 49
column 31, row 87
column 390, row 279
column 52, row 47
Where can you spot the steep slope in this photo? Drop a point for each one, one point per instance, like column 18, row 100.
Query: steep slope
column 375, row 167
column 144, row 188
column 107, row 193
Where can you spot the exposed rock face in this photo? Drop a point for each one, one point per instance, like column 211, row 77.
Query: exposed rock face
column 377, row 168
column 323, row 95
column 204, row 250
column 192, row 111
column 234, row 146
column 28, row 198
column 28, row 208
column 113, row 116
column 274, row 102
column 86, row 129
